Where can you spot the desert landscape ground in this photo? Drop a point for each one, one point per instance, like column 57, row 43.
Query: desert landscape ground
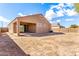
column 66, row 44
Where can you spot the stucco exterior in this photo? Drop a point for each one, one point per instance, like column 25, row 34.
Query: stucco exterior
column 34, row 23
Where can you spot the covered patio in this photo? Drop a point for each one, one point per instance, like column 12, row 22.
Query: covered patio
column 24, row 27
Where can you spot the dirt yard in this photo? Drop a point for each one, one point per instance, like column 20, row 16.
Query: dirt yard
column 66, row 44
column 8, row 47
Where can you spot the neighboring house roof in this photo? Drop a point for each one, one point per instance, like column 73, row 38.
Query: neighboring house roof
column 55, row 25
column 40, row 18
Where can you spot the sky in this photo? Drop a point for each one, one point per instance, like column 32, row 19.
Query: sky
column 63, row 13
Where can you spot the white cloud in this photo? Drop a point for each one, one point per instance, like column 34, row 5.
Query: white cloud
column 70, row 4
column 61, row 5
column 61, row 11
column 71, row 12
column 3, row 19
column 30, row 14
column 58, row 21
column 53, row 6
column 20, row 14
column 50, row 21
column 69, row 20
column 49, row 14
column 57, row 6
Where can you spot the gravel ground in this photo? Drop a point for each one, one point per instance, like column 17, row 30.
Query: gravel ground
column 66, row 44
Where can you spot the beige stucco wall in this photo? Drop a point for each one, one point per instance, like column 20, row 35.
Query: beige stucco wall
column 10, row 28
column 42, row 28
column 43, row 25
column 14, row 27
column 32, row 28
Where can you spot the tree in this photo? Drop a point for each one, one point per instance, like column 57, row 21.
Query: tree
column 61, row 26
column 73, row 26
column 77, row 7
column 58, row 23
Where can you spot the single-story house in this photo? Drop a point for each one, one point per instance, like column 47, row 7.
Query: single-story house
column 36, row 23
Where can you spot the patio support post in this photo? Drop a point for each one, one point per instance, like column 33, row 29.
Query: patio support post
column 18, row 25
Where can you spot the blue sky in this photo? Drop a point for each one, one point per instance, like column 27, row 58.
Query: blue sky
column 63, row 13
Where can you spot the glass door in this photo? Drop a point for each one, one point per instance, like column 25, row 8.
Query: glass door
column 22, row 28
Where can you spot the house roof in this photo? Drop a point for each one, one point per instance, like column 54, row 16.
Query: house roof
column 40, row 16
column 29, row 15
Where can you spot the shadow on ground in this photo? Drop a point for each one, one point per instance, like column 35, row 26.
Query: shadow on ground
column 40, row 34
column 9, row 48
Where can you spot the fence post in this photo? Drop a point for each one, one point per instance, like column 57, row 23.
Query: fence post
column 0, row 31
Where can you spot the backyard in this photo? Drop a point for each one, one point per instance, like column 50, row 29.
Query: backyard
column 64, row 44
